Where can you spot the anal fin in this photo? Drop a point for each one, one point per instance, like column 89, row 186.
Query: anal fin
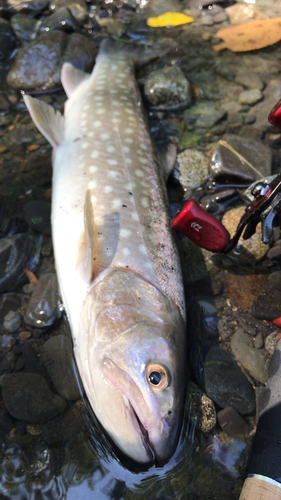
column 49, row 121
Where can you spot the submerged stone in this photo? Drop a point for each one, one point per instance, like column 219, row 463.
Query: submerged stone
column 204, row 114
column 61, row 19
column 250, row 96
column 43, row 307
column 226, row 384
column 167, row 88
column 28, row 397
column 57, row 356
column 16, row 253
column 252, row 359
column 7, row 40
column 12, row 321
column 228, row 169
column 232, row 423
column 25, row 27
column 202, row 409
column 37, row 215
column 191, row 169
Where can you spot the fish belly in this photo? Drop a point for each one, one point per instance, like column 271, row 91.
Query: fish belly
column 108, row 151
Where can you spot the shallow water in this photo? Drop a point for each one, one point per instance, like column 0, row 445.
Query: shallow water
column 68, row 457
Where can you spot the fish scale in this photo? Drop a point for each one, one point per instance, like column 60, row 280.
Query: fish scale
column 116, row 260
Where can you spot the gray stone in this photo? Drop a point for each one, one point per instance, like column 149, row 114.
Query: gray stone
column 203, row 413
column 272, row 94
column 252, row 359
column 250, row 96
column 226, row 384
column 191, row 169
column 232, row 423
column 25, row 27
column 258, row 341
column 16, row 253
column 38, row 64
column 249, row 79
column 167, row 88
column 33, row 6
column 7, row 40
column 57, row 356
column 43, row 307
column 28, row 397
column 204, row 114
column 12, row 321
column 61, row 19
column 270, row 342
column 78, row 8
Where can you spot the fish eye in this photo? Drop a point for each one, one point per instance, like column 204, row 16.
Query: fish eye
column 157, row 377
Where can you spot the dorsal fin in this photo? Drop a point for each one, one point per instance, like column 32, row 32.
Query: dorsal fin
column 49, row 121
column 71, row 78
column 89, row 227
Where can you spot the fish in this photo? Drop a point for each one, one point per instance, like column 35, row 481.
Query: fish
column 116, row 259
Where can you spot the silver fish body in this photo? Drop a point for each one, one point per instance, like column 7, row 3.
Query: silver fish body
column 116, row 260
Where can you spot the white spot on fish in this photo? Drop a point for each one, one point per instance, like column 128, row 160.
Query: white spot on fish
column 93, row 169
column 112, row 162
column 142, row 248
column 126, row 149
column 129, row 140
column 128, row 161
column 98, row 98
column 95, row 153
column 135, row 216
column 81, row 157
column 126, row 251
column 116, row 203
column 100, row 111
column 97, row 123
column 110, row 149
column 125, row 233
column 91, row 134
column 113, row 91
column 85, row 145
column 83, row 115
column 144, row 202
column 149, row 265
column 129, row 111
column 108, row 189
column 93, row 199
column 92, row 185
column 104, row 136
column 112, row 173
column 143, row 160
column 81, row 165
column 124, row 98
column 114, row 67
column 86, row 106
column 84, row 122
column 129, row 130
column 139, row 173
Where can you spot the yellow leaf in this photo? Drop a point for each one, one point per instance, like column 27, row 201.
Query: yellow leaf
column 250, row 36
column 169, row 19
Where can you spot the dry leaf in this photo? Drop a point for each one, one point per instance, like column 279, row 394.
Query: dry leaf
column 169, row 19
column 250, row 36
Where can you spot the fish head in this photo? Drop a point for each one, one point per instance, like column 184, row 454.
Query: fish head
column 135, row 376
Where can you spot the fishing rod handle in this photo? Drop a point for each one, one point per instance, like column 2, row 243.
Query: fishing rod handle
column 257, row 487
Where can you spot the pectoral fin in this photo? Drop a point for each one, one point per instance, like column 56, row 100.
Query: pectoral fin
column 49, row 121
column 90, row 265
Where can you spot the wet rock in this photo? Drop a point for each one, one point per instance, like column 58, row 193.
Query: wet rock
column 274, row 253
column 57, row 356
column 25, row 27
column 191, row 169
column 12, row 321
column 241, row 13
column 31, row 6
column 215, row 203
column 232, row 423
column 74, row 420
column 167, row 88
column 18, row 138
column 214, row 14
column 228, row 169
column 274, row 280
column 272, row 94
column 254, row 244
column 258, row 341
column 38, row 64
column 226, row 384
column 270, row 342
column 28, row 397
column 204, row 115
column 250, row 97
column 250, row 80
column 9, row 302
column 202, row 409
column 244, row 289
column 61, row 19
column 267, row 314
column 252, row 359
column 16, row 253
column 7, row 40
column 43, row 307
column 78, row 8
column 37, row 215
column 207, row 321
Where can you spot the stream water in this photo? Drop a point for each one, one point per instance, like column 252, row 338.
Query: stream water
column 60, row 452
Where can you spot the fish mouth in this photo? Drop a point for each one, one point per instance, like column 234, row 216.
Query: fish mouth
column 142, row 432
column 137, row 412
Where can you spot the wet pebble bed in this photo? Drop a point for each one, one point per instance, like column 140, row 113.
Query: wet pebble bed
column 193, row 98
